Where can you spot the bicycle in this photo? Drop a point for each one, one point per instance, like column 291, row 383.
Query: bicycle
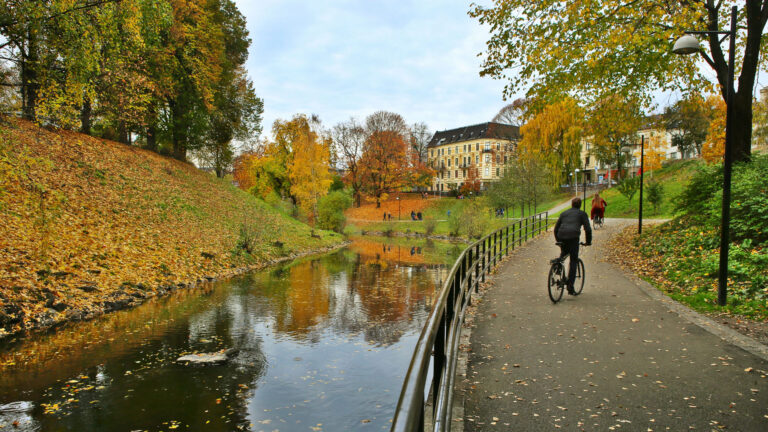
column 557, row 280
column 597, row 222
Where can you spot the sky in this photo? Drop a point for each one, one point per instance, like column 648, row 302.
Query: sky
column 349, row 58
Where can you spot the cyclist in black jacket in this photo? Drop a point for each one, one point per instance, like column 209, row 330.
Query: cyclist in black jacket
column 568, row 231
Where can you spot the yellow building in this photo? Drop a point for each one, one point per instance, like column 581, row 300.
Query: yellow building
column 479, row 150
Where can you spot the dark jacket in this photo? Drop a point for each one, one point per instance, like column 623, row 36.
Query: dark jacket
column 568, row 226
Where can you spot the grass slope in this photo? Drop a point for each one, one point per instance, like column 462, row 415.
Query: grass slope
column 673, row 178
column 88, row 225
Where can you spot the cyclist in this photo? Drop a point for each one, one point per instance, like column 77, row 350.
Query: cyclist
column 567, row 233
column 598, row 207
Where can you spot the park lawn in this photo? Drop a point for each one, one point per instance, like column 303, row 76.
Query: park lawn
column 434, row 209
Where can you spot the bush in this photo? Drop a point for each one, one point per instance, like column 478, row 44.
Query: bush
column 473, row 218
column 429, row 225
column 628, row 187
column 702, row 198
column 655, row 196
column 330, row 211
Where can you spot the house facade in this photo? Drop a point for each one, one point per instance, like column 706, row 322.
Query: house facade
column 471, row 153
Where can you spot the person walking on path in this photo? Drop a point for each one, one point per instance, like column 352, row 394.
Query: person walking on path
column 568, row 232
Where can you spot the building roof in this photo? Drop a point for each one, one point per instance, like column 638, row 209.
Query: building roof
column 478, row 131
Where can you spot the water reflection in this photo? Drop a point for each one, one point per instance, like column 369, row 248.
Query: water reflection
column 321, row 343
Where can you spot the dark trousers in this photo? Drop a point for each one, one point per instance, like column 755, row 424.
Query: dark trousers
column 570, row 247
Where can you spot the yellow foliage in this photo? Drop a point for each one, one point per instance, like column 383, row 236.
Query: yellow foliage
column 713, row 148
column 553, row 136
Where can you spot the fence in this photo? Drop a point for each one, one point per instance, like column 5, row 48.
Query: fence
column 439, row 341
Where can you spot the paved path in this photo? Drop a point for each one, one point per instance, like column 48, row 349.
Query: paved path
column 613, row 358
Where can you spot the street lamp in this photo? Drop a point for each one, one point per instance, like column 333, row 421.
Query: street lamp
column 642, row 174
column 576, row 181
column 398, row 206
column 688, row 44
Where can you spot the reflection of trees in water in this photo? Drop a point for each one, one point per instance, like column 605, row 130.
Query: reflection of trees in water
column 343, row 292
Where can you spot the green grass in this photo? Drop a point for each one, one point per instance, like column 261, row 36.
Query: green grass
column 673, row 176
column 439, row 211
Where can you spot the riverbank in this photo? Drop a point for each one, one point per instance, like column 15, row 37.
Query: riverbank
column 88, row 226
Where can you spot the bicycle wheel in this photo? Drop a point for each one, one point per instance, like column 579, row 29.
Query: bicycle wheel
column 556, row 282
column 578, row 282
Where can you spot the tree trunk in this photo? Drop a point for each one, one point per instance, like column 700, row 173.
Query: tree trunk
column 29, row 84
column 122, row 132
column 85, row 116
column 152, row 130
column 179, row 134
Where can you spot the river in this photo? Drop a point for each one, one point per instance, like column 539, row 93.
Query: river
column 321, row 344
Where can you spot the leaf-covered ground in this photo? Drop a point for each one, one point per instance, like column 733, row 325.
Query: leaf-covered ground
column 88, row 226
column 682, row 261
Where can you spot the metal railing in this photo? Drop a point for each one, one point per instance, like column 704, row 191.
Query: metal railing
column 439, row 341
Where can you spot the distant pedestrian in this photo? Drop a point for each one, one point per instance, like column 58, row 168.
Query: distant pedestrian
column 385, row 216
column 413, row 215
column 418, row 215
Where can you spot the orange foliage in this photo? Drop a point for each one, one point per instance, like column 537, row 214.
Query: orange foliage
column 243, row 172
column 408, row 203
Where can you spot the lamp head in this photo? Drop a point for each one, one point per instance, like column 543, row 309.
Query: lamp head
column 686, row 44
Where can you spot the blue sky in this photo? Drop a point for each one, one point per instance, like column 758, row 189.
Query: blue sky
column 343, row 58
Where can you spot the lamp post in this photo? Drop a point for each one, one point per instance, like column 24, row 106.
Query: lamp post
column 688, row 44
column 576, row 181
column 584, row 188
column 642, row 174
column 398, row 207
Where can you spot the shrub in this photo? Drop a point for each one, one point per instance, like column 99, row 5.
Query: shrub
column 330, row 210
column 429, row 225
column 628, row 187
column 655, row 196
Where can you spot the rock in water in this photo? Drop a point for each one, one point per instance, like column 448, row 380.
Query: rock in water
column 206, row 358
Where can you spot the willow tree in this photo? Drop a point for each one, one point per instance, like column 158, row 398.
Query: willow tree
column 553, row 138
column 612, row 124
column 608, row 47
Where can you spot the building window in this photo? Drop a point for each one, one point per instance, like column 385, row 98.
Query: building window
column 456, row 173
column 457, row 161
column 449, row 174
column 498, row 146
column 498, row 159
column 477, row 159
column 505, row 159
column 587, row 160
column 497, row 172
column 431, row 153
column 487, row 171
column 463, row 173
column 487, row 158
column 487, row 146
column 449, row 163
column 457, row 149
column 449, row 151
column 477, row 146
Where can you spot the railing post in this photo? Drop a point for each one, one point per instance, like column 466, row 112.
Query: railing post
column 520, row 232
column 475, row 266
column 506, row 241
column 485, row 255
column 493, row 250
column 527, row 222
column 469, row 276
column 439, row 360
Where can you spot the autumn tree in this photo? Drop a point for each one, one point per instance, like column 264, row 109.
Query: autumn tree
column 688, row 120
column 309, row 165
column 611, row 47
column 553, row 138
column 421, row 174
column 514, row 113
column 713, row 149
column 472, row 183
column 348, row 140
column 384, row 165
column 612, row 124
